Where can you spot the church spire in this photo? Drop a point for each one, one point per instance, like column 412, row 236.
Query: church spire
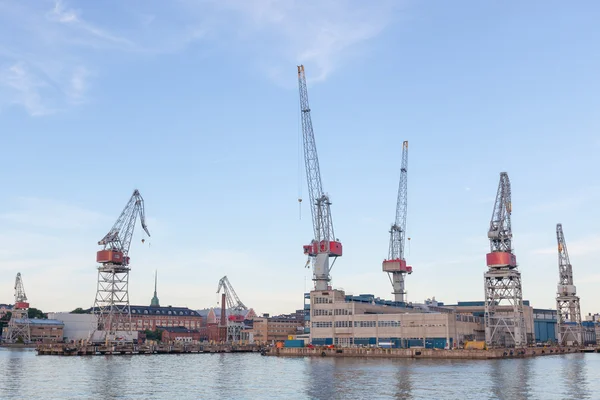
column 154, row 302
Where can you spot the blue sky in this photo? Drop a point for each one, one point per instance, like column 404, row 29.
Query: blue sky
column 196, row 105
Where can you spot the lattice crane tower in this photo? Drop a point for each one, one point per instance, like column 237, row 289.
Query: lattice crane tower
column 567, row 302
column 395, row 265
column 504, row 320
column 237, row 311
column 18, row 326
column 112, row 295
column 324, row 245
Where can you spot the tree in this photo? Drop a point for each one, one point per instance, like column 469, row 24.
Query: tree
column 35, row 313
column 79, row 310
column 154, row 335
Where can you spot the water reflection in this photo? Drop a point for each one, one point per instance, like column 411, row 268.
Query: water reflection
column 321, row 382
column 250, row 376
column 574, row 374
column 403, row 382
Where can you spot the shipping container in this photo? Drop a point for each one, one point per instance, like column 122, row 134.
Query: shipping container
column 294, row 343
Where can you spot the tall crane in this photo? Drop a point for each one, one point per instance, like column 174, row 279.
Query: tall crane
column 19, row 327
column 112, row 295
column 324, row 244
column 395, row 265
column 567, row 302
column 504, row 320
column 237, row 311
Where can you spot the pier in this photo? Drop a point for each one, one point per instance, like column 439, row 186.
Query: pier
column 63, row 349
column 419, row 352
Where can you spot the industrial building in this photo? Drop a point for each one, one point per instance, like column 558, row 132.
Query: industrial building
column 76, row 327
column 179, row 334
column 363, row 320
column 39, row 330
column 545, row 327
column 266, row 330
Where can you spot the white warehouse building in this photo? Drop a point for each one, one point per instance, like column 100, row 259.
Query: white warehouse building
column 364, row 320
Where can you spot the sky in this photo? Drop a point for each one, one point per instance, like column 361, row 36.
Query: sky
column 195, row 103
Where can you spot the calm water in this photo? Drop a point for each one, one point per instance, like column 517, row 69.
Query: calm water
column 23, row 375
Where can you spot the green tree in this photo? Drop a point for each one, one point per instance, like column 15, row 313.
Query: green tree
column 79, row 310
column 35, row 313
column 154, row 335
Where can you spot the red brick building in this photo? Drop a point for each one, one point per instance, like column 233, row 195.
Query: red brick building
column 179, row 334
column 150, row 318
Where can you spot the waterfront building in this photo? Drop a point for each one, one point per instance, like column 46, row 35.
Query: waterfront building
column 477, row 308
column 76, row 327
column 42, row 330
column 364, row 320
column 266, row 329
column 545, row 325
column 180, row 334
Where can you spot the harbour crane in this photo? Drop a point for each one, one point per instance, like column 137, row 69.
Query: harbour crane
column 567, row 302
column 325, row 244
column 395, row 265
column 504, row 320
column 112, row 295
column 237, row 311
column 18, row 326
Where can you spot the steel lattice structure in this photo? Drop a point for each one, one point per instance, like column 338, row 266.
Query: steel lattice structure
column 395, row 265
column 567, row 302
column 237, row 310
column 112, row 294
column 504, row 320
column 18, row 325
column 324, row 244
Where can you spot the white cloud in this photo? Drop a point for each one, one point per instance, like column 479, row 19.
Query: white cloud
column 46, row 68
column 322, row 35
column 45, row 213
column 26, row 88
column 71, row 18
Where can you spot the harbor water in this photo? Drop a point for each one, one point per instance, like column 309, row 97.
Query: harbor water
column 24, row 375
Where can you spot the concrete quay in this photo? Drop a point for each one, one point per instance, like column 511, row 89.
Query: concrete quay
column 419, row 352
column 63, row 349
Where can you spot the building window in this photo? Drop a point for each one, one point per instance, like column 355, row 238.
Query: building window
column 343, row 324
column 322, row 324
column 365, row 324
column 388, row 324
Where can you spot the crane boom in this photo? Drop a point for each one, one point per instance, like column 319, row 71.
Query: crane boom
column 398, row 231
column 324, row 244
column 20, row 296
column 395, row 265
column 568, row 308
column 118, row 240
column 233, row 301
column 500, row 232
column 565, row 269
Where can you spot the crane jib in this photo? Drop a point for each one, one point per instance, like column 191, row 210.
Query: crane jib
column 324, row 241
